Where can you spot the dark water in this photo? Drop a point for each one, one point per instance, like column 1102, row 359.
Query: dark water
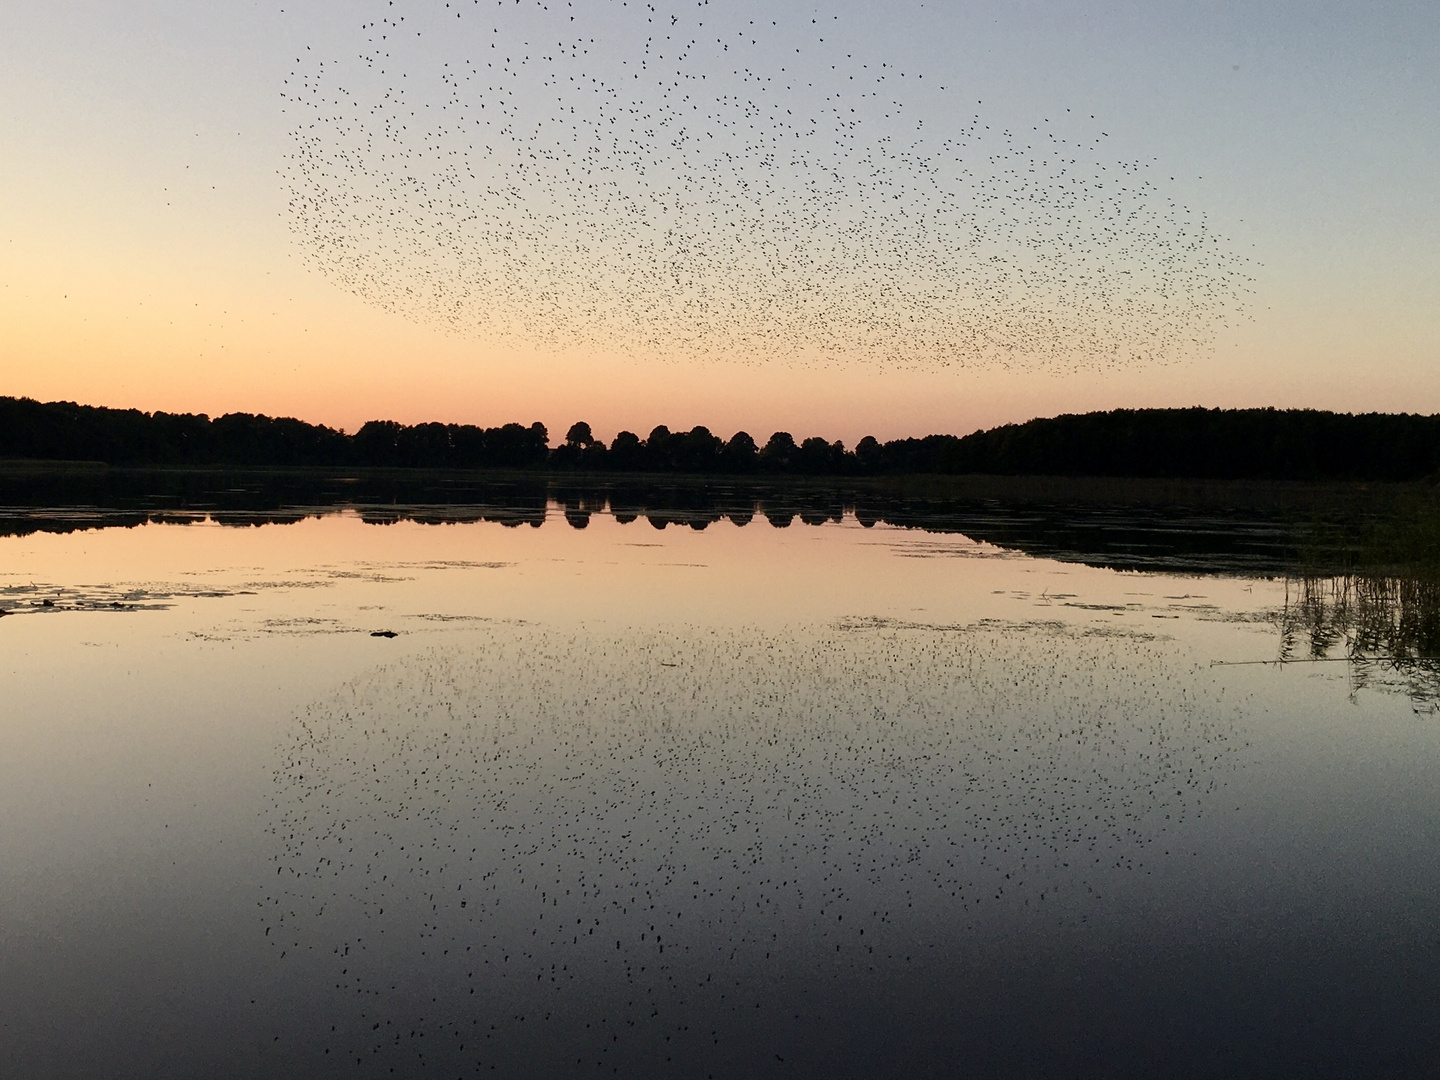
column 1124, row 524
column 701, row 782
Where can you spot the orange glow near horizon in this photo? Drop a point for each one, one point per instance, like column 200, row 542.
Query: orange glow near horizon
column 157, row 334
column 233, row 329
column 147, row 258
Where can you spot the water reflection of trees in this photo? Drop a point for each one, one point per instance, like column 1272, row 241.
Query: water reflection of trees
column 1386, row 628
column 1122, row 527
column 1134, row 537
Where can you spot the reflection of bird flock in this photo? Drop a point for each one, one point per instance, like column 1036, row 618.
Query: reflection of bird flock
column 686, row 181
column 609, row 849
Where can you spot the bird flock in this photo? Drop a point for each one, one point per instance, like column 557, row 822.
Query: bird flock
column 745, row 183
column 551, row 850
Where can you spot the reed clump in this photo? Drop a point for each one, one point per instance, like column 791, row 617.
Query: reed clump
column 1401, row 540
column 1387, row 626
column 1408, row 540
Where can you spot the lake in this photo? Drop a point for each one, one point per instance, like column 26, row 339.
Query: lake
column 349, row 777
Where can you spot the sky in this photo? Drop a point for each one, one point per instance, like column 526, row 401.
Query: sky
column 199, row 207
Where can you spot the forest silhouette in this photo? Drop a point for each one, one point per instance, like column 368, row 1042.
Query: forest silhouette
column 1193, row 443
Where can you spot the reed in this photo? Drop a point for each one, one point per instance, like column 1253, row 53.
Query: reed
column 1387, row 626
column 1409, row 540
column 1399, row 539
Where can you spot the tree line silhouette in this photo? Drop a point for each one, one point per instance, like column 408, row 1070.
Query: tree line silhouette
column 1195, row 443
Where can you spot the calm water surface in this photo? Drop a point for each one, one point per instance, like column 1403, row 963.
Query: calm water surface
column 820, row 800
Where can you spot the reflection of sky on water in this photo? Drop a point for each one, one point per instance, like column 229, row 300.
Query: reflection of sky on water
column 876, row 736
column 605, row 850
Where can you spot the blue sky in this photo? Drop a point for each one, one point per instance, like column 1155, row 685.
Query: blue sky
column 148, row 255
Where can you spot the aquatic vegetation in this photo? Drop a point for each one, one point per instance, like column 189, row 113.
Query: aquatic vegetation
column 549, row 849
column 1386, row 628
column 1408, row 539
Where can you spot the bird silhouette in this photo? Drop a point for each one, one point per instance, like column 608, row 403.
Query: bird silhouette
column 618, row 846
column 686, row 182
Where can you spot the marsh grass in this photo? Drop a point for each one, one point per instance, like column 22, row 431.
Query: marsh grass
column 1386, row 626
column 1409, row 541
column 1368, row 589
column 1398, row 537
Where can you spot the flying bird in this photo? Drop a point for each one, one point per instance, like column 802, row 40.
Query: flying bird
column 746, row 184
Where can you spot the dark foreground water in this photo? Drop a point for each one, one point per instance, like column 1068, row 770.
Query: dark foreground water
column 720, row 788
